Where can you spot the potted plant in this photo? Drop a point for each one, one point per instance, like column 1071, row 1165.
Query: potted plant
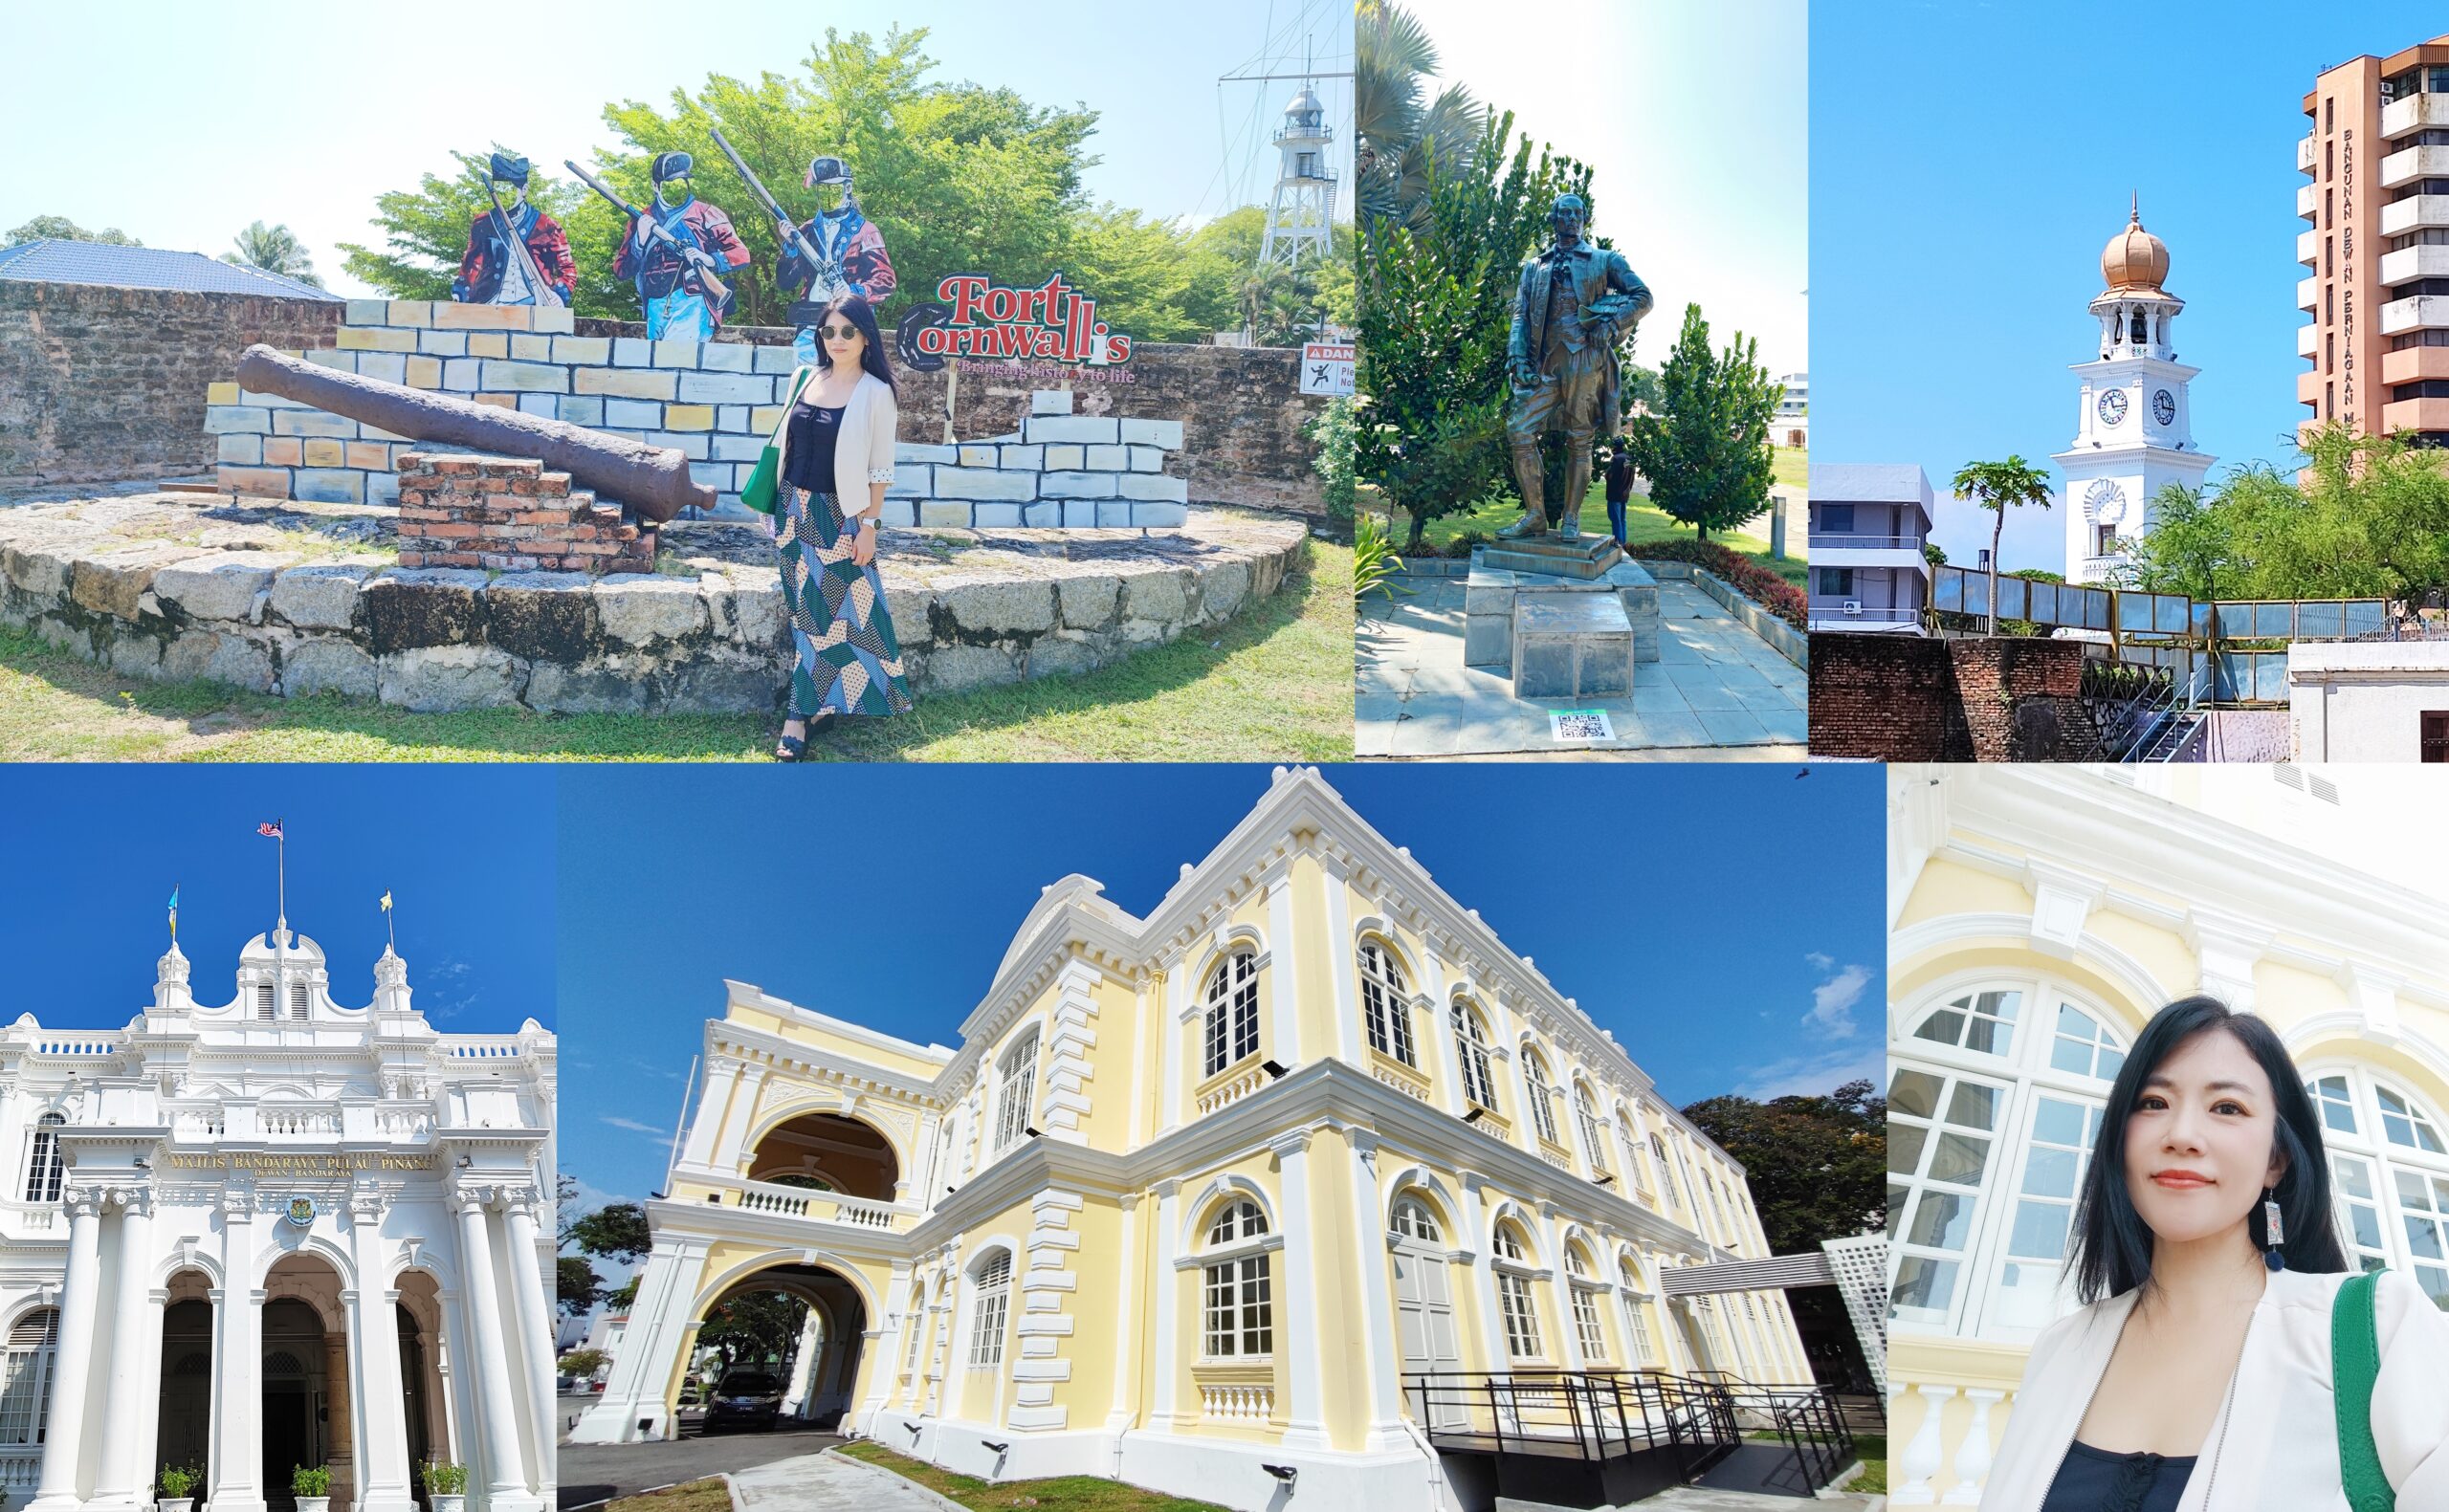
column 178, row 1489
column 312, row 1488
column 446, row 1486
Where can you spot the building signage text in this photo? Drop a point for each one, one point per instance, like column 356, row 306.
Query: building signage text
column 301, row 1163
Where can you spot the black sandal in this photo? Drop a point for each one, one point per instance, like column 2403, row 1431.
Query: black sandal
column 790, row 748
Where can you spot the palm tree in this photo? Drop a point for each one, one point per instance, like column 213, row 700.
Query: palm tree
column 1397, row 137
column 276, row 250
column 1997, row 486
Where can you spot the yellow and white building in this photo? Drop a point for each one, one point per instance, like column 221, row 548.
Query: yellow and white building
column 2038, row 917
column 1196, row 1191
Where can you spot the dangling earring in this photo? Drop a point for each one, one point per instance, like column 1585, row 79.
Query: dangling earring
column 2272, row 1230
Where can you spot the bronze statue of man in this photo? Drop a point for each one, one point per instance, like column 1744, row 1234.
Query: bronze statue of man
column 1574, row 302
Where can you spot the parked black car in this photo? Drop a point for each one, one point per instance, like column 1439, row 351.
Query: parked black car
column 744, row 1398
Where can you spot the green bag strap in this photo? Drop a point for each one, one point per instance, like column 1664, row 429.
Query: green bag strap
column 2356, row 1365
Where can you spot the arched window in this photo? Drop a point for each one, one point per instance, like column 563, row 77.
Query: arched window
column 2404, row 1126
column 1412, row 1220
column 1592, row 1141
column 1636, row 1326
column 2389, row 1175
column 1665, row 1171
column 1634, row 1166
column 1382, row 1004
column 1232, row 1011
column 1015, row 1102
column 994, row 1288
column 1584, row 1288
column 917, row 1329
column 1543, row 1115
column 1514, row 1293
column 1989, row 1134
column 25, row 1378
column 1240, row 1311
column 43, row 1163
column 1471, row 1046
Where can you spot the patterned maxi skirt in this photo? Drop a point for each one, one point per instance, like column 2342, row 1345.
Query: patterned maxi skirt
column 846, row 657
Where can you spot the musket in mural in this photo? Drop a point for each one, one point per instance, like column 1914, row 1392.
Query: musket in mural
column 516, row 253
column 838, row 252
column 675, row 251
column 652, row 481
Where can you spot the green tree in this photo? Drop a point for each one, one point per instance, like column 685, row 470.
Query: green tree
column 617, row 1231
column 59, row 227
column 1999, row 487
column 579, row 1287
column 1931, row 554
column 426, row 235
column 583, row 1363
column 2188, row 547
column 1706, row 450
column 756, row 1328
column 1401, row 142
column 276, row 250
column 1333, row 432
column 1817, row 1165
column 1433, row 324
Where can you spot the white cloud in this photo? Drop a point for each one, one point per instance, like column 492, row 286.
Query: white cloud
column 1819, row 962
column 1832, row 1001
column 1812, row 1076
column 635, row 1128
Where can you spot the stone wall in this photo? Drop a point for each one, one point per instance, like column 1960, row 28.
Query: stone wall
column 509, row 514
column 101, row 384
column 1913, row 698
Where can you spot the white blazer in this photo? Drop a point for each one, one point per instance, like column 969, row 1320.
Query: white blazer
column 2282, row 1448
column 863, row 447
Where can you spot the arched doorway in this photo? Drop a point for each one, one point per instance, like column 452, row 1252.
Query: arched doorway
column 746, row 1353
column 829, row 1153
column 307, row 1419
column 184, row 1437
column 424, row 1409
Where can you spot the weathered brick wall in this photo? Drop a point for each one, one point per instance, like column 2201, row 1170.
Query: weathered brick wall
column 509, row 514
column 1909, row 698
column 1886, row 698
column 103, row 385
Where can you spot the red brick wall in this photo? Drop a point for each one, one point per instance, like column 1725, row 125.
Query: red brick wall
column 511, row 515
column 1911, row 698
column 102, row 385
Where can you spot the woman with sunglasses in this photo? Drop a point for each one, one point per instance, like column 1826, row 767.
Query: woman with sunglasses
column 835, row 441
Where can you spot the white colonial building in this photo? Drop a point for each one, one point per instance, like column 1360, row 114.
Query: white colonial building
column 271, row 1234
column 1203, row 1196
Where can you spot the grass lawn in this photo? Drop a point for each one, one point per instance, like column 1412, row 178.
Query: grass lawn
column 1793, row 465
column 1874, row 1451
column 1641, row 523
column 693, row 1496
column 1063, row 1494
column 1275, row 684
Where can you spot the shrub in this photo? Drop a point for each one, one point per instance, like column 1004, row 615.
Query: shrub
column 1741, row 573
column 177, row 1483
column 1337, row 432
column 1373, row 562
column 444, row 1478
column 305, row 1482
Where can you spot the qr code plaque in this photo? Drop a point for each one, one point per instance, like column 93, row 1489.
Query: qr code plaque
column 1580, row 724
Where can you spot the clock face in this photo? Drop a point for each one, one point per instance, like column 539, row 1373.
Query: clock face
column 2164, row 406
column 2105, row 502
column 2112, row 407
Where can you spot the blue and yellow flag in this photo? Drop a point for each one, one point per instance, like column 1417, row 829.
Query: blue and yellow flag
column 174, row 910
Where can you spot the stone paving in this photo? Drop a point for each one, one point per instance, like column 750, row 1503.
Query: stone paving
column 829, row 1484
column 1717, row 692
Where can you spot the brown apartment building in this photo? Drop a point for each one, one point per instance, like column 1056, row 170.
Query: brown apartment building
column 2378, row 158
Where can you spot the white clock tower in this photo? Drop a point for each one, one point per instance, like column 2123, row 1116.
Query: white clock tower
column 2135, row 434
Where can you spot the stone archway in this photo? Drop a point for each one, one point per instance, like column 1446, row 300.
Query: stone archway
column 828, row 1152
column 307, row 1417
column 424, row 1382
column 183, row 1438
column 817, row 1367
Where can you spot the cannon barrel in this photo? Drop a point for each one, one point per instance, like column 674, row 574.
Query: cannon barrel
column 651, row 480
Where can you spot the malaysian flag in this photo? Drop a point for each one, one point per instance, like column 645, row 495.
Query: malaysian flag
column 271, row 831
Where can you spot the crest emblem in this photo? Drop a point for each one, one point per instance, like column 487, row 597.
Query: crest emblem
column 301, row 1213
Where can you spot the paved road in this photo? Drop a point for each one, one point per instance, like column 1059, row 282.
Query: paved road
column 594, row 1473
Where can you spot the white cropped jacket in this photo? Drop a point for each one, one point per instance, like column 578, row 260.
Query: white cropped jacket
column 862, row 447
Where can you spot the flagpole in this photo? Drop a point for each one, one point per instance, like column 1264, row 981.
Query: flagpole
column 280, row 853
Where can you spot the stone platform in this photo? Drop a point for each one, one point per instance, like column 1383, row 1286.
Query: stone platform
column 1572, row 646
column 1491, row 593
column 292, row 598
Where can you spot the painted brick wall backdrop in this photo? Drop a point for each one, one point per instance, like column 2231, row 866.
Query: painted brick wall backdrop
column 1909, row 698
column 109, row 384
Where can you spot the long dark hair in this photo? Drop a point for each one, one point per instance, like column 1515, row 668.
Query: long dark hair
column 2113, row 1245
column 872, row 358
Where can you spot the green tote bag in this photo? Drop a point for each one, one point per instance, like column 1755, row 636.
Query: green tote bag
column 2356, row 1365
column 765, row 478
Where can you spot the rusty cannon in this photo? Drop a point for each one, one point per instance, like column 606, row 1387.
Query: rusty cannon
column 653, row 481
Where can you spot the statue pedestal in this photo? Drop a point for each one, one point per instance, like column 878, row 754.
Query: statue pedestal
column 1572, row 646
column 1507, row 575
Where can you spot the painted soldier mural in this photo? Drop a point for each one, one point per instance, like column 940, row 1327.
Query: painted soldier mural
column 676, row 252
column 851, row 257
column 1573, row 301
column 516, row 253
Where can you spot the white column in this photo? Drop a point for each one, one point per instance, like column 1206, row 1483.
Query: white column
column 888, row 1344
column 1284, row 1035
column 534, row 1323
column 1125, row 1399
column 1168, row 1298
column 1971, row 1467
column 73, row 1360
column 648, row 1357
column 730, row 1151
column 1552, row 1239
column 1344, row 963
column 1441, row 1033
column 118, row 1482
column 713, row 1105
column 1384, row 1421
column 505, row 1477
column 374, row 1360
column 1170, row 1068
column 795, row 1402
column 1483, row 1272
column 237, row 1365
column 1300, row 1335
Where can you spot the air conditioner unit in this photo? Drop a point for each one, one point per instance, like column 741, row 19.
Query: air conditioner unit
column 1853, row 606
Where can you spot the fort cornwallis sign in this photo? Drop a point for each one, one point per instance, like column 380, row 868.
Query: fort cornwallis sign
column 980, row 318
column 301, row 1163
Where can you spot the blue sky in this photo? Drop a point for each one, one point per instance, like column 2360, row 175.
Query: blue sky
column 1701, row 184
column 1687, row 922
column 179, row 124
column 1970, row 162
column 93, row 852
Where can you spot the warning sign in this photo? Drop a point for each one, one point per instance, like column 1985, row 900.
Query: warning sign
column 1326, row 367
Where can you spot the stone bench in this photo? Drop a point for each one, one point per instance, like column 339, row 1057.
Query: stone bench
column 1572, row 646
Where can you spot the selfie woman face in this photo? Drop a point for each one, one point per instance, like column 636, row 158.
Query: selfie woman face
column 844, row 340
column 2200, row 1141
